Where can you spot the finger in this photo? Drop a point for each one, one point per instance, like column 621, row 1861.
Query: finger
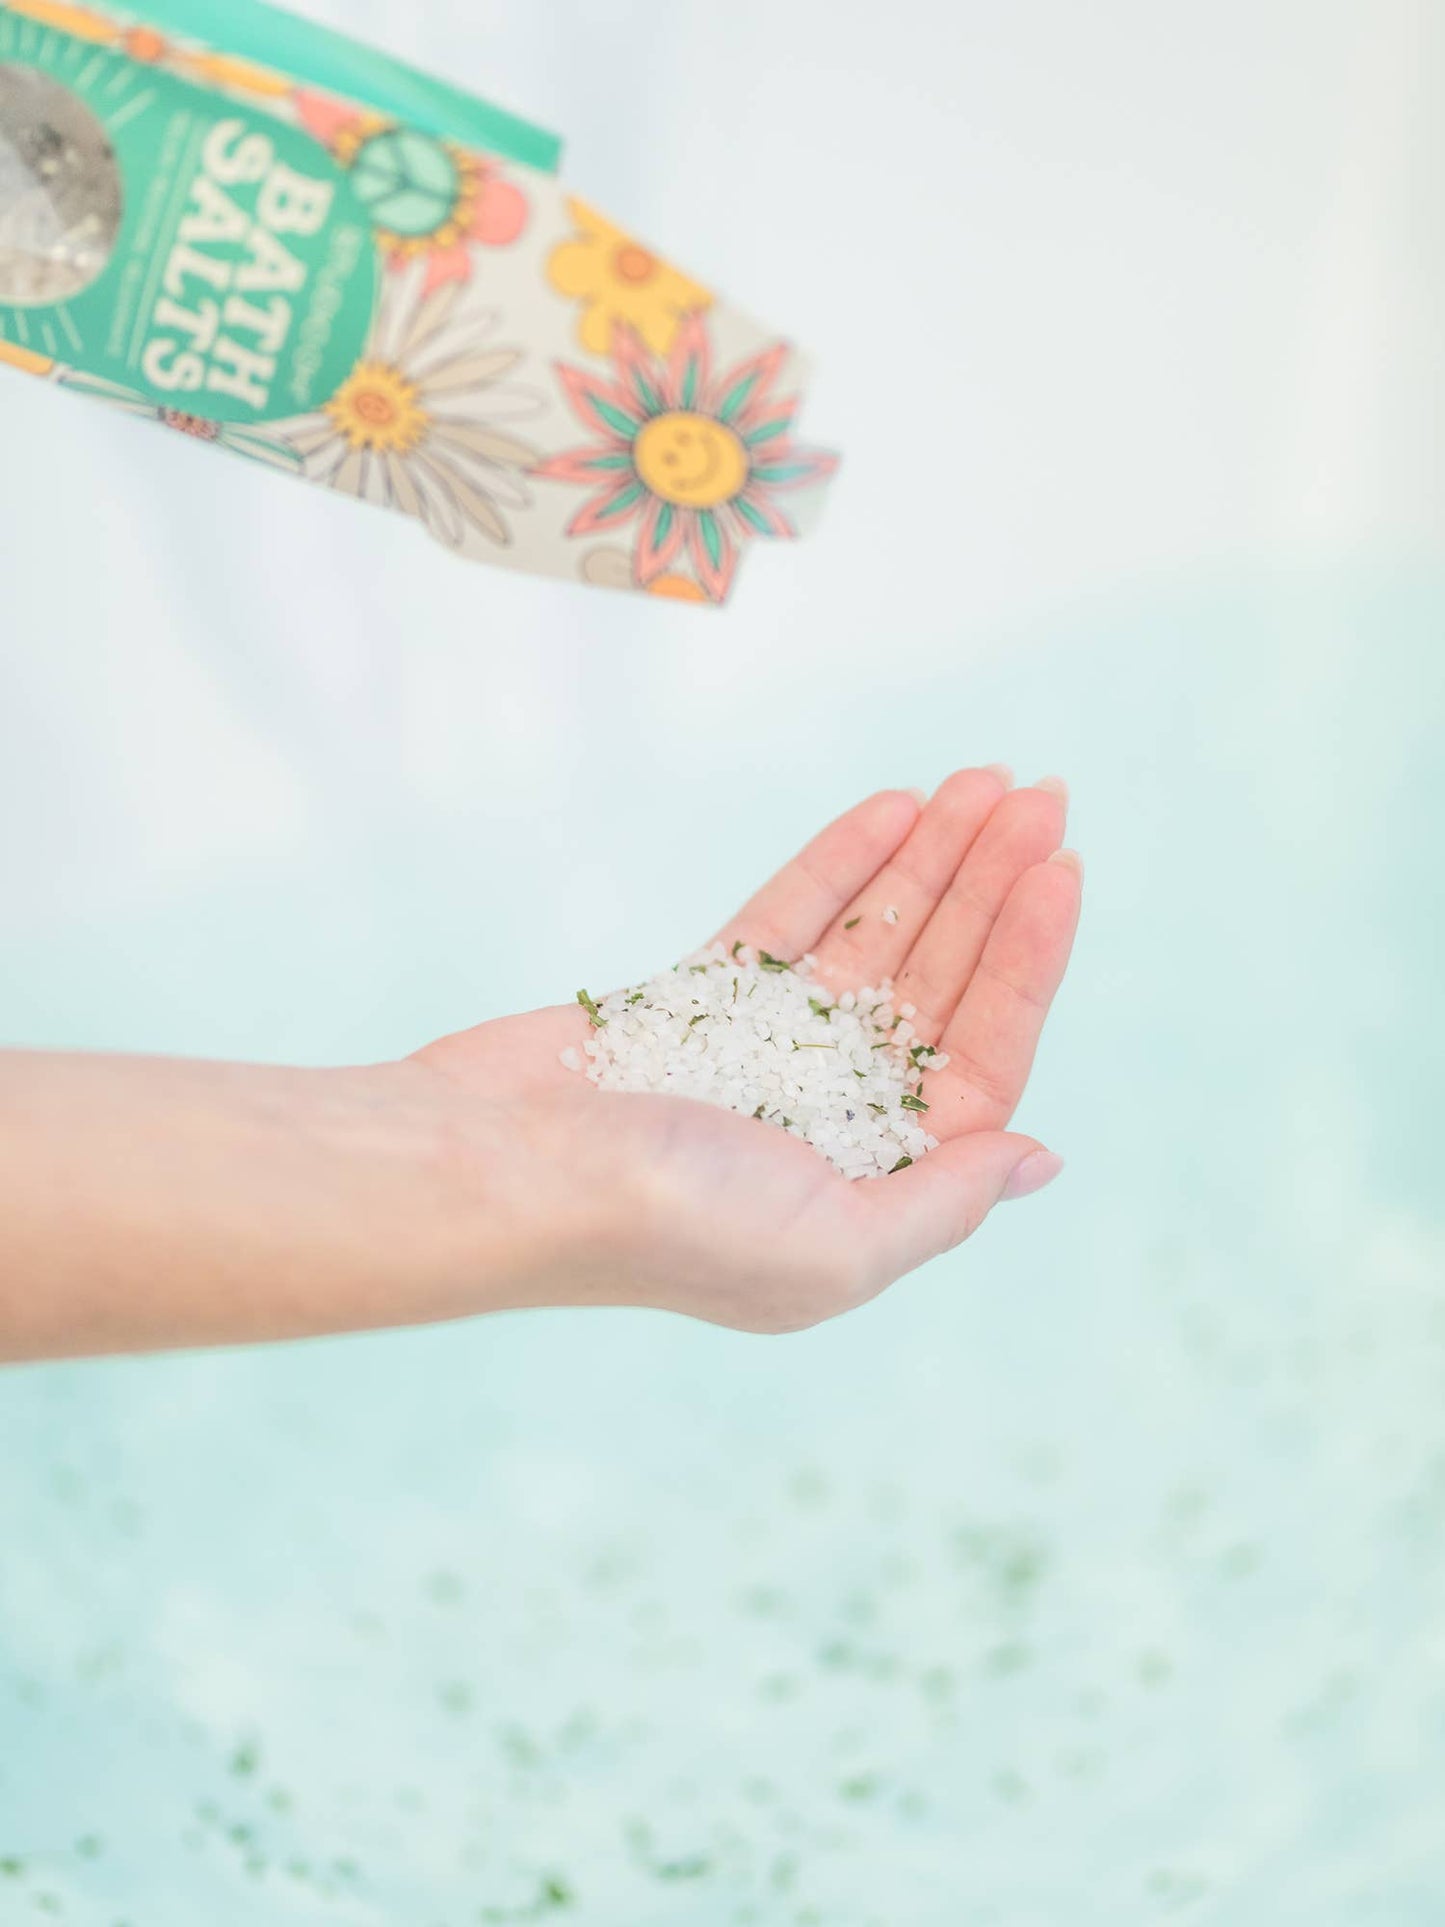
column 790, row 913
column 1027, row 826
column 914, row 1215
column 874, row 931
column 991, row 1039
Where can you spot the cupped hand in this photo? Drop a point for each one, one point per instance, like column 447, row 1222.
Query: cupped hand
column 969, row 905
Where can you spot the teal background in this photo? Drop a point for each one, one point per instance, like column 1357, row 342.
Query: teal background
column 1095, row 1574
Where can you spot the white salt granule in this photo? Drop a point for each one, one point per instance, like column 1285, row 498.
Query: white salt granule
column 890, row 914
column 756, row 1035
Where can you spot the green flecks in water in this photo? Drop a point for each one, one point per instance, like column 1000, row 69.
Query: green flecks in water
column 245, row 1760
column 1154, row 1669
column 552, row 1896
column 779, row 1686
column 1010, row 1657
column 859, row 1786
column 937, row 1683
column 693, row 1867
column 444, row 1588
column 808, row 1487
column 455, row 1696
column 783, row 1874
column 519, row 1746
column 766, row 1601
column 1175, row 1888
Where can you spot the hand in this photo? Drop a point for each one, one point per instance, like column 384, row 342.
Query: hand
column 662, row 1201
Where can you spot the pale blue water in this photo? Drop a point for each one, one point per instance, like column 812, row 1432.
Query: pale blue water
column 1096, row 1574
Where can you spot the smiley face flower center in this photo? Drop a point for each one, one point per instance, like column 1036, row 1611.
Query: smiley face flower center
column 690, row 460
column 376, row 408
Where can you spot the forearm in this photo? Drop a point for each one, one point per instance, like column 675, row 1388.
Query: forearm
column 147, row 1202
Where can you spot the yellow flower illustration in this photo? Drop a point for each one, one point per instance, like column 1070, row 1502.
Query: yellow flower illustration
column 616, row 279
column 146, row 45
column 79, row 22
column 25, row 359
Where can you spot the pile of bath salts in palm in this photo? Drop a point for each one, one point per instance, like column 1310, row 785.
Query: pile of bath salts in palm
column 746, row 1030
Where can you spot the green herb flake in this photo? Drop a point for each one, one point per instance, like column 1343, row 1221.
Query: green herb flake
column 690, row 1869
column 770, row 962
column 696, row 1020
column 912, row 1103
column 901, row 1165
column 737, row 946
column 594, row 1015
column 635, row 998
column 852, row 923
column 820, row 1009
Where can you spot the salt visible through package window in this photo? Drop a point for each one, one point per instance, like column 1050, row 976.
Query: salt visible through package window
column 60, row 193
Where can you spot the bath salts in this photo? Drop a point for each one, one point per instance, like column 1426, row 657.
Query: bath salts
column 763, row 1037
column 270, row 239
column 60, row 205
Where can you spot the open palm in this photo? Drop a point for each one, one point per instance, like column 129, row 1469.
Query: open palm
column 968, row 905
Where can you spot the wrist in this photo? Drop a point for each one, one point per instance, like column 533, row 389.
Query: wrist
column 511, row 1212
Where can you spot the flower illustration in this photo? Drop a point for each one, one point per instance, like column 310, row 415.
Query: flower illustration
column 618, row 280
column 416, row 425
column 611, row 568
column 219, row 70
column 425, row 197
column 154, row 49
column 258, row 444
column 697, row 458
column 26, row 360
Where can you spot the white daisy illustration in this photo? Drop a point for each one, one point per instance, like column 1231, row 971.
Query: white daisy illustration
column 420, row 422
column 259, row 444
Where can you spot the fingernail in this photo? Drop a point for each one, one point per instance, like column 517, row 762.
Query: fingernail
column 920, row 797
column 1002, row 771
column 1033, row 1173
column 1053, row 786
column 1070, row 859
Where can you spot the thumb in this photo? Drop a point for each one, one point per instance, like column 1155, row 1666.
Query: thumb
column 915, row 1214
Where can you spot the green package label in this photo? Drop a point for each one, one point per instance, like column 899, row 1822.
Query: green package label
column 234, row 272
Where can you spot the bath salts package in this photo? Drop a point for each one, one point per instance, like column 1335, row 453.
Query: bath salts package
column 259, row 234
